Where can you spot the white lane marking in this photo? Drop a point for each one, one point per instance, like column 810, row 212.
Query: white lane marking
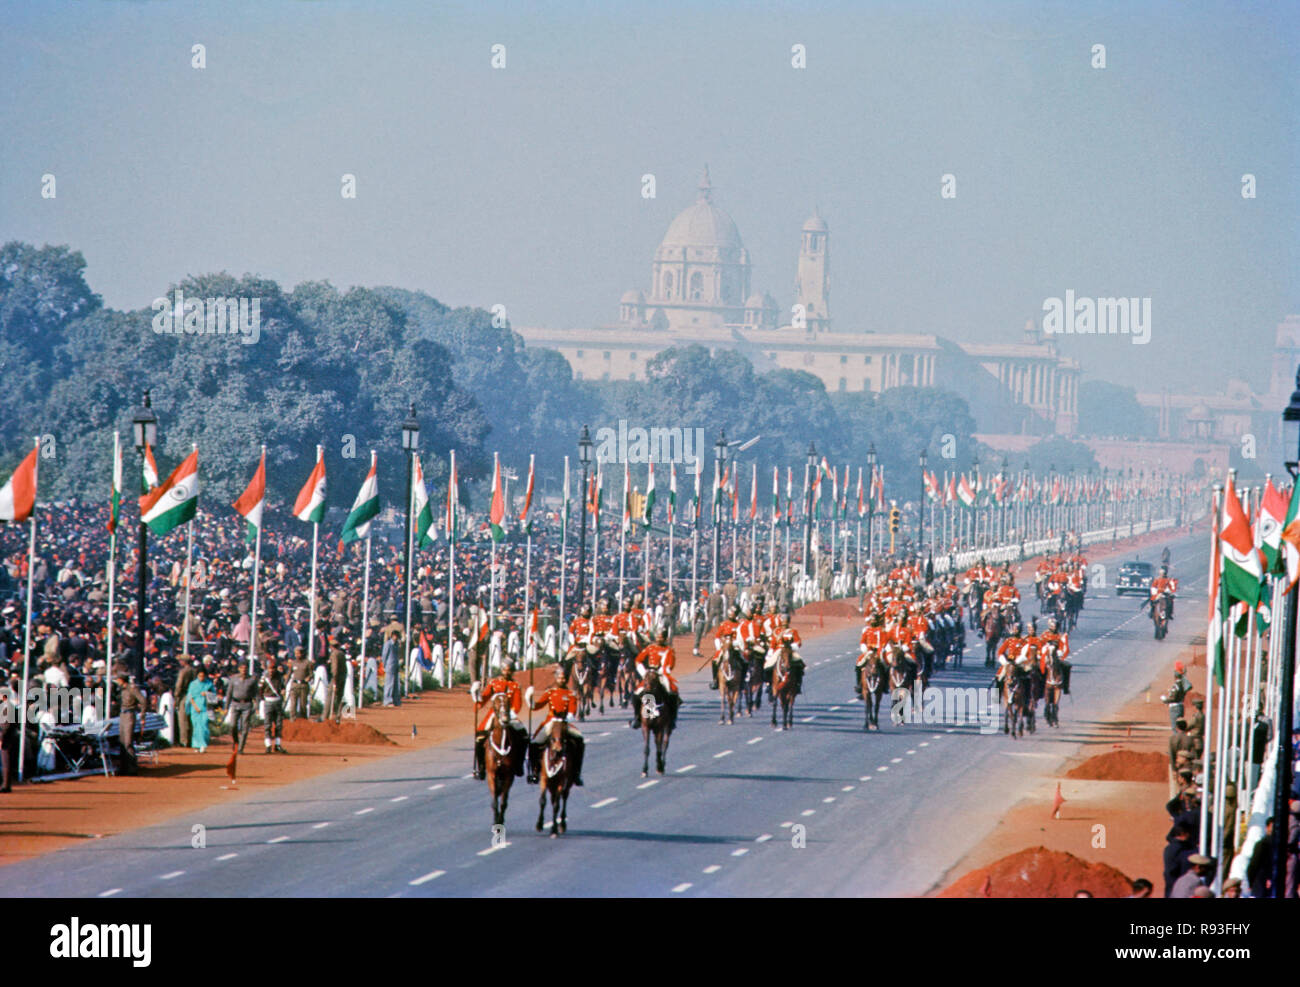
column 168, row 877
column 432, row 875
column 712, row 868
column 494, row 848
column 951, row 730
column 809, row 719
column 320, row 825
column 895, row 760
column 470, row 775
column 833, row 709
column 722, row 754
column 434, row 788
column 649, row 784
column 110, row 892
column 740, row 851
column 605, row 734
column 682, row 887
column 848, row 788
column 400, row 798
column 278, row 839
column 911, row 752
column 362, row 812
column 924, row 743
column 939, row 736
column 808, row 812
column 883, row 767
column 828, row 798
column 689, row 767
column 754, row 741
column 227, row 856
column 865, row 778
column 604, row 802
column 764, row 838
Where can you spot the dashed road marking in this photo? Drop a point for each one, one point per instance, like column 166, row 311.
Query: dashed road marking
column 649, row 784
column 754, row 741
column 740, row 851
column 400, row 798
column 786, row 825
column 848, row 788
column 110, row 892
column 808, row 812
column 883, row 767
column 362, row 812
column 722, row 754
column 685, row 885
column 604, row 802
column 168, row 877
column 712, row 868
column 434, row 788
column 809, row 719
column 924, row 743
column 278, row 839
column 833, row 709
column 764, row 838
column 828, row 799
column 425, row 879
column 911, row 752
column 228, row 856
column 494, row 848
column 320, row 825
column 865, row 778
column 683, row 770
column 895, row 760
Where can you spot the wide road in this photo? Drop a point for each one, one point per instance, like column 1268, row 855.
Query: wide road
column 823, row 809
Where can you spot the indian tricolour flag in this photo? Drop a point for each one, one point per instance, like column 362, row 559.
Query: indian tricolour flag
column 776, row 493
column 965, row 492
column 1291, row 537
column 175, row 500
column 497, row 513
column 932, row 490
column 449, row 521
column 115, row 495
column 366, row 507
column 646, row 513
column 18, row 496
column 672, row 493
column 528, row 496
column 1272, row 513
column 1242, row 571
column 421, row 508
column 149, row 476
column 310, row 505
column 253, row 500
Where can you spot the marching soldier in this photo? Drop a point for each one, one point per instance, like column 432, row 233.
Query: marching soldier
column 270, row 690
column 131, row 715
column 560, row 703
column 299, row 684
column 338, row 672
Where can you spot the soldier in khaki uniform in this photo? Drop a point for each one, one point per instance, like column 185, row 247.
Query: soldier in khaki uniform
column 300, row 670
column 131, row 709
column 183, row 679
column 338, row 669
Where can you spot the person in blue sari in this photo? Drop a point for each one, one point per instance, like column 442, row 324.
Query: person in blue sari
column 196, row 705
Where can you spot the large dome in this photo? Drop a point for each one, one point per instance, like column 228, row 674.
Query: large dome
column 703, row 224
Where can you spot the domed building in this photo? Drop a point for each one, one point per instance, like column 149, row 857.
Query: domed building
column 700, row 275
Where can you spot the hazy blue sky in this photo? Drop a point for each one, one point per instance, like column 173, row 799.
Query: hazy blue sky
column 522, row 186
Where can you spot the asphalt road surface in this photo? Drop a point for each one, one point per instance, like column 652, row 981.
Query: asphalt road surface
column 822, row 809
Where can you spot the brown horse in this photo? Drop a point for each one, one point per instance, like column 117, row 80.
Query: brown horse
column 992, row 626
column 557, row 778
column 902, row 679
column 873, row 676
column 1053, row 687
column 731, row 680
column 1016, row 700
column 786, row 678
column 754, row 680
column 586, row 675
column 502, row 757
column 658, row 717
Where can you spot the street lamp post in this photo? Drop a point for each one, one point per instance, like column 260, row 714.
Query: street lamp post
column 1285, row 710
column 584, row 457
column 871, row 501
column 410, row 443
column 975, row 507
column 1003, row 484
column 807, row 511
column 720, row 462
column 145, row 426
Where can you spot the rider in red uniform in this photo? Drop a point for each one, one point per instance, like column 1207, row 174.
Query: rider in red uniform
column 660, row 657
column 560, row 703
column 724, row 635
column 1163, row 584
column 503, row 684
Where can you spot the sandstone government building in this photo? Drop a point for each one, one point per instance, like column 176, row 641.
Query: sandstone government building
column 1020, row 390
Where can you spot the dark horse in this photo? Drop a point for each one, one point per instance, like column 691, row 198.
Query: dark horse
column 786, row 679
column 991, row 624
column 902, row 680
column 1160, row 616
column 754, row 679
column 658, row 717
column 873, row 675
column 502, row 758
column 1053, row 686
column 1017, row 698
column 731, row 682
column 557, row 779
column 586, row 678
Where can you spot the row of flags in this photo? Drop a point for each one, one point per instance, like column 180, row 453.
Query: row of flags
column 977, row 490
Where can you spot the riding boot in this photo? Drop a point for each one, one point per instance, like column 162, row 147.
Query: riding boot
column 534, row 763
column 713, row 675
column 579, row 748
column 1065, row 681
column 636, row 711
column 480, row 756
column 857, row 681
column 520, row 744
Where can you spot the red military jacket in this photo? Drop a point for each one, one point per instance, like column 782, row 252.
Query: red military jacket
column 602, row 623
column 1060, row 641
column 725, row 628
column 561, row 701
column 509, row 687
column 580, row 628
column 657, row 656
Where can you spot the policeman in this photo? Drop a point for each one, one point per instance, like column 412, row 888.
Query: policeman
column 270, row 689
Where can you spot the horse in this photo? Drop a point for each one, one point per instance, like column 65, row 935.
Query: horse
column 1015, row 697
column 874, row 679
column 731, row 681
column 557, row 780
column 658, row 717
column 754, row 677
column 991, row 626
column 501, row 758
column 975, row 602
column 606, row 685
column 902, row 679
column 586, row 671
column 1160, row 616
column 625, row 678
column 785, row 686
column 1053, row 686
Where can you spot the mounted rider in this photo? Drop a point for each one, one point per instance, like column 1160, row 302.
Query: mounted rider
column 873, row 641
column 724, row 636
column 663, row 660
column 560, row 703
column 1164, row 584
column 1060, row 643
column 502, row 684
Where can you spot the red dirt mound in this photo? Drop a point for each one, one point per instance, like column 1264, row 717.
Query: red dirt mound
column 1040, row 873
column 311, row 732
column 831, row 608
column 1123, row 765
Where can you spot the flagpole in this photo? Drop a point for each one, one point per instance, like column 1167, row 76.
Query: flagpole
column 189, row 581
column 595, row 534
column 315, row 537
column 112, row 578
column 365, row 620
column 451, row 572
column 402, row 670
column 564, row 551
column 622, row 536
column 257, row 569
column 1216, row 509
column 27, row 635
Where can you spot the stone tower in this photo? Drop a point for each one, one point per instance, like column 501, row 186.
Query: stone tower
column 812, row 286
